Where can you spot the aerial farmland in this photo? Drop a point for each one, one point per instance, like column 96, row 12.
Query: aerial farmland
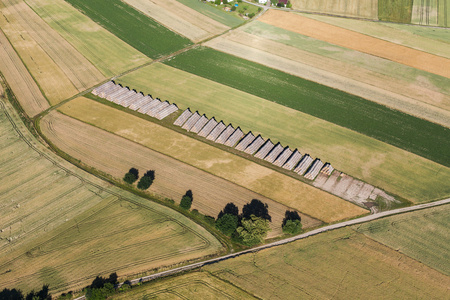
column 203, row 149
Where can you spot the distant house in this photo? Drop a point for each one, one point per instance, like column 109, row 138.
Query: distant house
column 262, row 1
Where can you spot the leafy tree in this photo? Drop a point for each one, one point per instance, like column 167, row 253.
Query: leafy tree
column 230, row 209
column 131, row 176
column 253, row 230
column 217, row 2
column 187, row 199
column 227, row 224
column 233, row 8
column 225, row 1
column 256, row 208
column 13, row 294
column 292, row 222
column 289, row 5
column 251, row 15
column 146, row 180
column 186, row 202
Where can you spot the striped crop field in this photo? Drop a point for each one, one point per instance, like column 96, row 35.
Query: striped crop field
column 365, row 9
column 214, row 13
column 388, row 167
column 267, row 182
column 114, row 155
column 423, row 235
column 180, row 18
column 138, row 30
column 196, row 285
column 338, row 264
column 103, row 49
column 393, row 127
column 63, row 227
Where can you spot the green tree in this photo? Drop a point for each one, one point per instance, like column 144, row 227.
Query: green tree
column 291, row 222
column 251, row 15
column 186, row 202
column 131, row 176
column 146, row 180
column 227, row 224
column 253, row 230
column 217, row 2
column 225, row 1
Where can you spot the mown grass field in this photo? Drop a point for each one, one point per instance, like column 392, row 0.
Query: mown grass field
column 378, row 163
column 61, row 226
column 267, row 182
column 440, row 34
column 399, row 129
column 107, row 52
column 133, row 27
column 340, row 264
column 423, row 235
column 195, row 285
column 398, row 11
column 214, row 13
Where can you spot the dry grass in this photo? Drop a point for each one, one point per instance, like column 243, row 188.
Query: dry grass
column 423, row 235
column 103, row 49
column 115, row 155
column 196, row 285
column 259, row 179
column 395, row 93
column 180, row 18
column 395, row 170
column 62, row 226
column 57, row 67
column 356, row 41
column 340, row 264
column 20, row 81
column 367, row 9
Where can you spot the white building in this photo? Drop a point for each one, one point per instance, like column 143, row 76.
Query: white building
column 262, row 1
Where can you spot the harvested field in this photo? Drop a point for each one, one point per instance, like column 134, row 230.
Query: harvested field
column 23, row 29
column 396, row 128
column 133, row 27
column 103, row 49
column 216, row 14
column 340, row 264
column 22, row 84
column 395, row 93
column 356, row 41
column 398, row 11
column 114, row 155
column 180, row 18
column 62, row 226
column 252, row 176
column 366, row 9
column 434, row 41
column 423, row 235
column 195, row 285
column 444, row 13
column 395, row 170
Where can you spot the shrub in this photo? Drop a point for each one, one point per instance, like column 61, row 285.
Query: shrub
column 251, row 15
column 291, row 222
column 230, row 209
column 233, row 8
column 146, row 180
column 227, row 224
column 217, row 2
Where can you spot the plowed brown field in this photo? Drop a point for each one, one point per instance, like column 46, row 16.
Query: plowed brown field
column 115, row 155
column 357, row 41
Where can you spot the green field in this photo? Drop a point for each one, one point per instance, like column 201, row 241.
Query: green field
column 107, row 52
column 398, row 11
column 133, row 27
column 195, row 285
column 401, row 130
column 423, row 235
column 444, row 13
column 340, row 264
column 61, row 226
column 215, row 13
column 440, row 34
